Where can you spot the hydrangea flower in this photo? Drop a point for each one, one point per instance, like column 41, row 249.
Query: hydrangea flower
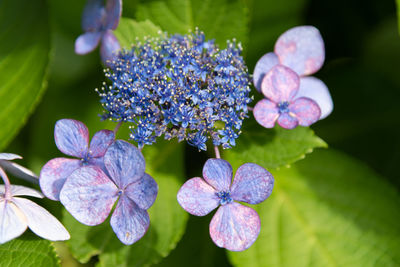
column 302, row 50
column 98, row 21
column 234, row 226
column 72, row 138
column 179, row 86
column 280, row 86
column 18, row 213
column 89, row 194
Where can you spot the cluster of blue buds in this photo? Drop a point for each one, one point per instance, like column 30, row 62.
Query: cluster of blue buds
column 181, row 87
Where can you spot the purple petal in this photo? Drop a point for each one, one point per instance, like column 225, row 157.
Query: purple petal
column 18, row 171
column 287, row 121
column 301, row 49
column 128, row 221
column 12, row 221
column 263, row 66
column 316, row 90
column 98, row 162
column 87, row 42
column 89, row 195
column 280, row 84
column 40, row 221
column 143, row 192
column 266, row 113
column 306, row 110
column 72, row 137
column 252, row 184
column 124, row 162
column 197, row 197
column 9, row 156
column 235, row 227
column 100, row 142
column 109, row 46
column 53, row 175
column 94, row 15
column 114, row 10
column 218, row 173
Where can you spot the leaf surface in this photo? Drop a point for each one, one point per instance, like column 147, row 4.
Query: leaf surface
column 130, row 30
column 219, row 19
column 327, row 210
column 28, row 250
column 272, row 148
column 24, row 57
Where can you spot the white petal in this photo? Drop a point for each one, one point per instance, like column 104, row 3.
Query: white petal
column 40, row 221
column 19, row 171
column 19, row 190
column 9, row 156
column 12, row 221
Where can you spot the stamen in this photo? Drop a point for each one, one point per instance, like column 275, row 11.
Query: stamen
column 283, row 107
column 225, row 197
column 181, row 87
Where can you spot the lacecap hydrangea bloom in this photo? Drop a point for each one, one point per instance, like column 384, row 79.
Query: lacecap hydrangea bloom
column 300, row 51
column 99, row 19
column 90, row 193
column 179, row 86
column 18, row 213
column 72, row 138
column 234, row 226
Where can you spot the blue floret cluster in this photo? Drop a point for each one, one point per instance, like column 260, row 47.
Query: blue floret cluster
column 180, row 87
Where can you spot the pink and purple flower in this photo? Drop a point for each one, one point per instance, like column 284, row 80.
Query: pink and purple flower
column 280, row 87
column 72, row 138
column 90, row 193
column 234, row 226
column 302, row 50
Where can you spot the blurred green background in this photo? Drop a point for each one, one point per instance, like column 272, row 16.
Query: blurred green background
column 361, row 70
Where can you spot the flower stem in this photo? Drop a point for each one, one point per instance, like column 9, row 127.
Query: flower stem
column 117, row 127
column 217, row 154
column 7, row 185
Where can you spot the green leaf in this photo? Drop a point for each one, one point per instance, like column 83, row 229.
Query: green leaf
column 327, row 210
column 219, row 19
column 273, row 148
column 28, row 250
column 164, row 162
column 398, row 13
column 24, row 57
column 129, row 31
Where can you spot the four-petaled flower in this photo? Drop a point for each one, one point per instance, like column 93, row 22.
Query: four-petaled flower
column 89, row 193
column 72, row 138
column 280, row 86
column 234, row 226
column 16, row 213
column 98, row 21
column 302, row 50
